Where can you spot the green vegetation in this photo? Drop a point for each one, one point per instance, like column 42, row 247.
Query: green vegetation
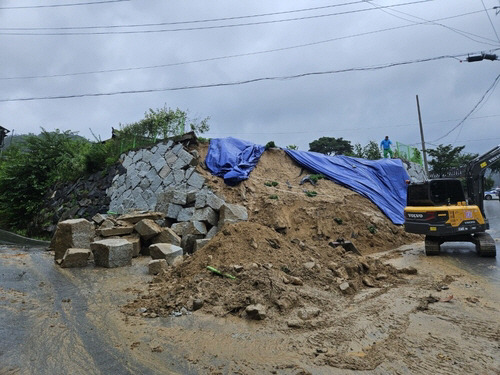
column 271, row 183
column 338, row 220
column 270, row 144
column 30, row 166
column 331, row 146
column 371, row 151
column 273, row 196
column 311, row 193
column 315, row 177
column 292, row 147
column 372, row 229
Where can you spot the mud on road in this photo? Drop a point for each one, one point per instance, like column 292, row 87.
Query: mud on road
column 442, row 320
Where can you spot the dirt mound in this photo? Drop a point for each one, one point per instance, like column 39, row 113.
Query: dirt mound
column 281, row 258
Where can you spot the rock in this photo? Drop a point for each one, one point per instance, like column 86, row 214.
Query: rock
column 381, row 276
column 197, row 304
column 198, row 244
column 75, row 258
column 408, row 271
column 368, row 281
column 98, row 218
column 232, row 213
column 212, row 232
column 295, row 323
column 340, row 272
column 190, row 227
column 135, row 240
column 309, row 265
column 295, row 280
column 186, row 214
column 147, row 228
column 308, row 313
column 112, row 252
column 206, row 214
column 74, row 233
column 155, row 266
column 344, row 286
column 165, row 251
column 188, row 242
column 257, row 312
column 134, row 218
column 167, row 235
column 115, row 231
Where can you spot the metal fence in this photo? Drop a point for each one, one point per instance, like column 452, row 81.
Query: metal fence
column 408, row 153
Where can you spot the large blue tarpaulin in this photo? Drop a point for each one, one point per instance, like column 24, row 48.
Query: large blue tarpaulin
column 232, row 158
column 382, row 181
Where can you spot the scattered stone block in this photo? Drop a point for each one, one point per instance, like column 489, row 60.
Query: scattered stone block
column 189, row 241
column 75, row 258
column 147, row 228
column 165, row 251
column 115, row 231
column 212, row 232
column 98, row 218
column 198, row 244
column 232, row 213
column 112, row 252
column 74, row 233
column 135, row 240
column 206, row 214
column 135, row 217
column 167, row 235
column 155, row 266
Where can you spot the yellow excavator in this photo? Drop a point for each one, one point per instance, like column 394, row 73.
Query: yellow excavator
column 438, row 209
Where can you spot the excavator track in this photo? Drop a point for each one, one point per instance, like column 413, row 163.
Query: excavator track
column 485, row 245
column 432, row 246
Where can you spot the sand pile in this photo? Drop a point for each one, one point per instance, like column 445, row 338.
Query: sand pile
column 281, row 258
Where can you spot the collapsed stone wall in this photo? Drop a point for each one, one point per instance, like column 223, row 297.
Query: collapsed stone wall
column 81, row 199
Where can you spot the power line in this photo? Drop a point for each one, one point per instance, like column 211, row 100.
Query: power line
column 236, row 83
column 209, row 27
column 63, row 5
column 186, row 22
column 455, row 30
column 492, row 87
column 236, row 55
column 491, row 22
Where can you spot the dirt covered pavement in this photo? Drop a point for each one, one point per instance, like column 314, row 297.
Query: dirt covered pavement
column 287, row 303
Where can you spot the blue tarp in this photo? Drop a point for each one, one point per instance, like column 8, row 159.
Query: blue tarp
column 232, row 158
column 382, row 181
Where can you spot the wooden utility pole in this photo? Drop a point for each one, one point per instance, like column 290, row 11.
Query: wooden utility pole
column 422, row 138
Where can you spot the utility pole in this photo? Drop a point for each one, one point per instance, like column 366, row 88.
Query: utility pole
column 422, row 138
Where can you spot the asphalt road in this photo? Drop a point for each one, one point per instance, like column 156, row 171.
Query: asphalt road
column 464, row 255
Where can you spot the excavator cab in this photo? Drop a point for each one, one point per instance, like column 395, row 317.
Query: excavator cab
column 439, row 209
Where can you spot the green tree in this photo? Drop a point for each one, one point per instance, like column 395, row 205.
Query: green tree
column 331, row 145
column 372, row 151
column 444, row 158
column 28, row 169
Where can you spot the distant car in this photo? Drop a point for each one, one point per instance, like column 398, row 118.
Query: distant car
column 491, row 194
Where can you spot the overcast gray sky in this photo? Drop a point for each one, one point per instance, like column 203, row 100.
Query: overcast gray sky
column 288, row 71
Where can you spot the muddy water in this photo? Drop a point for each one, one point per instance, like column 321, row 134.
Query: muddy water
column 68, row 321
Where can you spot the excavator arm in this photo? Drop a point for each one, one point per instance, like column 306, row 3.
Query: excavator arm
column 474, row 174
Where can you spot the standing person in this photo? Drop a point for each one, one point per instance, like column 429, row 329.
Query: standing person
column 386, row 146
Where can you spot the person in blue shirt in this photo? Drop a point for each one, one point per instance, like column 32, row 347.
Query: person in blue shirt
column 386, row 146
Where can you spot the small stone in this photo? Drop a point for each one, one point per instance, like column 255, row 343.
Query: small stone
column 344, row 286
column 257, row 312
column 295, row 323
column 296, row 280
column 381, row 276
column 197, row 304
column 368, row 282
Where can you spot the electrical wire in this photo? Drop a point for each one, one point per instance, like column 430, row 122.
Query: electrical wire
column 236, row 83
column 491, row 22
column 184, row 22
column 455, row 30
column 236, row 55
column 210, row 27
column 492, row 87
column 62, row 5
